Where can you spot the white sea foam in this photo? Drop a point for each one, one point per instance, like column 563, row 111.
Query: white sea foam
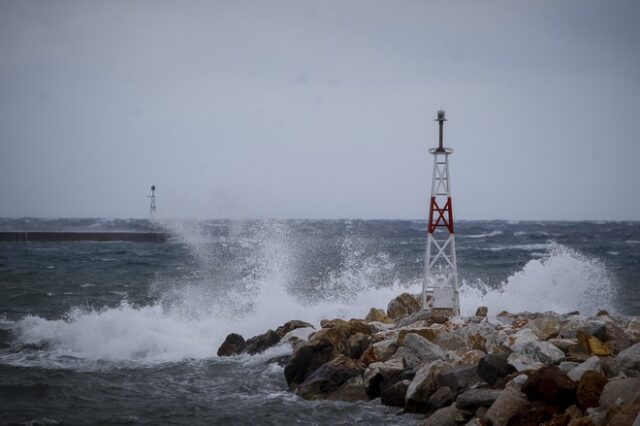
column 485, row 235
column 526, row 247
column 562, row 281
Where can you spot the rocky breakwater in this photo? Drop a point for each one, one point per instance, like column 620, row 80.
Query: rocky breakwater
column 505, row 369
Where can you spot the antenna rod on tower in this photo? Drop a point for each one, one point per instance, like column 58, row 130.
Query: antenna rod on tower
column 440, row 121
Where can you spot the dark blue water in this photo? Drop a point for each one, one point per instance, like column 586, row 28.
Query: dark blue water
column 126, row 333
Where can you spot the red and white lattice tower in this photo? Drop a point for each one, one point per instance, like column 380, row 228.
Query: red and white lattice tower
column 440, row 267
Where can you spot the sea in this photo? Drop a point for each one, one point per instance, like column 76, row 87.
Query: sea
column 127, row 333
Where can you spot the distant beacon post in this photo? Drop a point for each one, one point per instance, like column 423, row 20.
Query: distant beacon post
column 152, row 206
column 440, row 267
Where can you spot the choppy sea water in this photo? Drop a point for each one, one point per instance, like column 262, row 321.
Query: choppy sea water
column 126, row 333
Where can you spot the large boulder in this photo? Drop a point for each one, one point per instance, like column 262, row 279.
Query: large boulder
column 418, row 351
column 423, row 385
column 402, row 305
column 351, row 390
column 591, row 364
column 394, row 394
column 519, row 340
column 233, row 345
column 442, row 397
column 590, row 388
column 629, row 359
column 262, row 342
column 475, row 398
column 620, row 392
column 551, row 385
column 545, row 326
column 329, row 377
column 357, row 344
column 323, row 346
column 378, row 315
column 298, row 336
column 493, row 367
column 509, row 403
column 537, row 413
column 522, row 362
column 543, row 352
column 381, row 375
column 385, row 349
column 458, row 377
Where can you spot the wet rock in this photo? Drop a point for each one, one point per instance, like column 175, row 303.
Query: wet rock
column 447, row 416
column 381, row 375
column 620, row 392
column 378, row 315
column 385, row 349
column 590, row 388
column 518, row 341
column 329, row 377
column 536, row 413
column 418, row 351
column 290, row 326
column 369, row 356
column 261, row 342
column 474, row 398
column 423, row 386
column 591, row 364
column 394, row 395
column 551, row 385
column 543, row 352
column 597, row 329
column 493, row 367
column 509, row 403
column 352, row 390
column 357, row 344
column 442, row 397
column 482, row 311
column 280, row 360
column 459, row 377
column 522, row 362
column 629, row 359
column 402, row 305
column 309, row 357
column 232, row 345
column 297, row 337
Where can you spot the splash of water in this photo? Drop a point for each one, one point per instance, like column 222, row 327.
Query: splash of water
column 563, row 280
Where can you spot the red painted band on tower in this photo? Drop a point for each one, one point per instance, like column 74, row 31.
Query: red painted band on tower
column 445, row 215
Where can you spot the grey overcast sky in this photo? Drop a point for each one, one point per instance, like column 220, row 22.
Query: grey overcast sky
column 324, row 109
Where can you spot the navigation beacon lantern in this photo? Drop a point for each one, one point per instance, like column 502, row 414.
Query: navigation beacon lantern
column 152, row 206
column 440, row 267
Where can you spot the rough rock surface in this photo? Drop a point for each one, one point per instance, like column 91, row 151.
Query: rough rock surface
column 394, row 394
column 329, row 377
column 232, row 345
column 590, row 388
column 402, row 305
column 378, row 315
column 551, row 385
column 494, row 366
column 620, row 391
column 262, row 342
column 509, row 403
column 418, row 351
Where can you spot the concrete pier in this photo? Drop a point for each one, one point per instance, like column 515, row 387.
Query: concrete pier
column 136, row 237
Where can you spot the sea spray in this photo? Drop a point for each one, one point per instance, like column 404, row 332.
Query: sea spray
column 563, row 280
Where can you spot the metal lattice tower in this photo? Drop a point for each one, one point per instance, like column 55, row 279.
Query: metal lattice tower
column 152, row 206
column 440, row 267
